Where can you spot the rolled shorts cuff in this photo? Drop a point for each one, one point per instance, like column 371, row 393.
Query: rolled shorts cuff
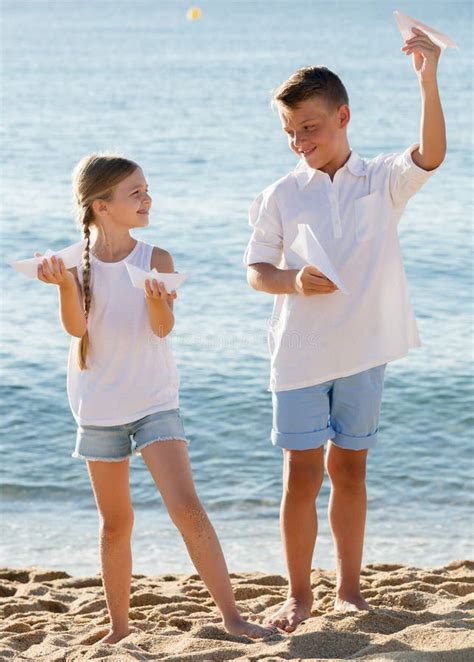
column 79, row 456
column 302, row 441
column 355, row 443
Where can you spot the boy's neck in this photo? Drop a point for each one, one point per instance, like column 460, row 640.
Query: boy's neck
column 337, row 162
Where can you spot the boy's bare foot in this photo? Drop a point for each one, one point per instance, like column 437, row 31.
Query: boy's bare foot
column 351, row 603
column 114, row 636
column 253, row 630
column 292, row 613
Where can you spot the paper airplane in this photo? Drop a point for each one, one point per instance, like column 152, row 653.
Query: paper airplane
column 71, row 256
column 406, row 23
column 138, row 277
column 307, row 246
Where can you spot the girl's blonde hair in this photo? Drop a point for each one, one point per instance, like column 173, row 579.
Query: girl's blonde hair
column 94, row 178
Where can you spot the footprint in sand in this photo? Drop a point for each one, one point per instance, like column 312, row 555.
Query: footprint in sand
column 265, row 580
column 413, row 600
column 193, row 607
column 249, row 592
column 181, row 623
column 457, row 588
column 148, row 599
column 37, row 605
column 7, row 590
column 85, row 582
column 395, row 580
column 17, row 628
column 48, row 576
column 196, row 591
column 21, row 642
column 91, row 638
column 90, row 607
column 214, row 632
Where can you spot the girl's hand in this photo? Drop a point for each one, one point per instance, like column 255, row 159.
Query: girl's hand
column 56, row 274
column 425, row 55
column 157, row 291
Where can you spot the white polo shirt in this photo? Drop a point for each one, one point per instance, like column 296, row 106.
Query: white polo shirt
column 313, row 339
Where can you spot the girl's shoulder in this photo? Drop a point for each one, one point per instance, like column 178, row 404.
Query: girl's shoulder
column 161, row 260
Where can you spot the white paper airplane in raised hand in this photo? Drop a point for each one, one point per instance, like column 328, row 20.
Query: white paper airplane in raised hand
column 406, row 23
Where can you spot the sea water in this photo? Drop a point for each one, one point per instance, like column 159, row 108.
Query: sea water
column 190, row 102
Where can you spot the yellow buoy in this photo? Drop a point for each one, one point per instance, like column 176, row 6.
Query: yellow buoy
column 193, row 13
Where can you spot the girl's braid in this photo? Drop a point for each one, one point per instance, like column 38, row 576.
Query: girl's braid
column 86, row 285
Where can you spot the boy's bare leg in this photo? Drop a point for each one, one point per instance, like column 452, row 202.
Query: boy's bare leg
column 303, row 473
column 112, row 493
column 347, row 513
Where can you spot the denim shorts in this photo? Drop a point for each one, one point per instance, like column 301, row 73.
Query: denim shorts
column 345, row 410
column 118, row 442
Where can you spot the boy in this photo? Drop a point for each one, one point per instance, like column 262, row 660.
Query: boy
column 328, row 349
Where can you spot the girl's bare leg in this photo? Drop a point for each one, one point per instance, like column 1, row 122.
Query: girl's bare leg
column 112, row 494
column 168, row 462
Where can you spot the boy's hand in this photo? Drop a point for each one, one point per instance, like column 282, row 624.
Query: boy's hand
column 310, row 280
column 56, row 273
column 157, row 291
column 425, row 55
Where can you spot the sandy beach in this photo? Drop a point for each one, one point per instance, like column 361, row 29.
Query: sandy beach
column 419, row 614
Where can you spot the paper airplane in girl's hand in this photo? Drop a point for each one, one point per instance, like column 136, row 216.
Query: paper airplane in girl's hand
column 71, row 256
column 307, row 246
column 406, row 23
column 138, row 278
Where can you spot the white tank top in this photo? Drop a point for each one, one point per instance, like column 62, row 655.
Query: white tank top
column 130, row 371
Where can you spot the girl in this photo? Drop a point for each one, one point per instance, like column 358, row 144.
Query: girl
column 123, row 384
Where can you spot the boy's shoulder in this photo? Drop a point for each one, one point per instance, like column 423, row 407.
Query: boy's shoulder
column 387, row 159
column 280, row 186
column 358, row 165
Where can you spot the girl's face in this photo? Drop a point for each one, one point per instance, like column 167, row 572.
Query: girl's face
column 130, row 202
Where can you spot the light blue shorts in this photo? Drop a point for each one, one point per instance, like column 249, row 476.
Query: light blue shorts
column 118, row 442
column 345, row 410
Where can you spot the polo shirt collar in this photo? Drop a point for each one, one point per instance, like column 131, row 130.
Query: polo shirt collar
column 304, row 174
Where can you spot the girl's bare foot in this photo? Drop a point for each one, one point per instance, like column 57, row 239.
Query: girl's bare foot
column 351, row 603
column 114, row 636
column 292, row 613
column 253, row 630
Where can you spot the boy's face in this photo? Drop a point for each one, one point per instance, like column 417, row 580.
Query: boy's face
column 316, row 132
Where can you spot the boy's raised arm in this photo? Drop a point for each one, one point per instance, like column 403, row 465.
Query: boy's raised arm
column 426, row 54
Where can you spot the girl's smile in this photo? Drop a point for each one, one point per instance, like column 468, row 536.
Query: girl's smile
column 130, row 204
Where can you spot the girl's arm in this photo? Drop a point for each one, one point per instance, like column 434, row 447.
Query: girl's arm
column 70, row 305
column 159, row 301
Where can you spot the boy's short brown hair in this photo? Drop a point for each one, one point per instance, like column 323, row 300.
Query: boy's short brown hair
column 311, row 82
